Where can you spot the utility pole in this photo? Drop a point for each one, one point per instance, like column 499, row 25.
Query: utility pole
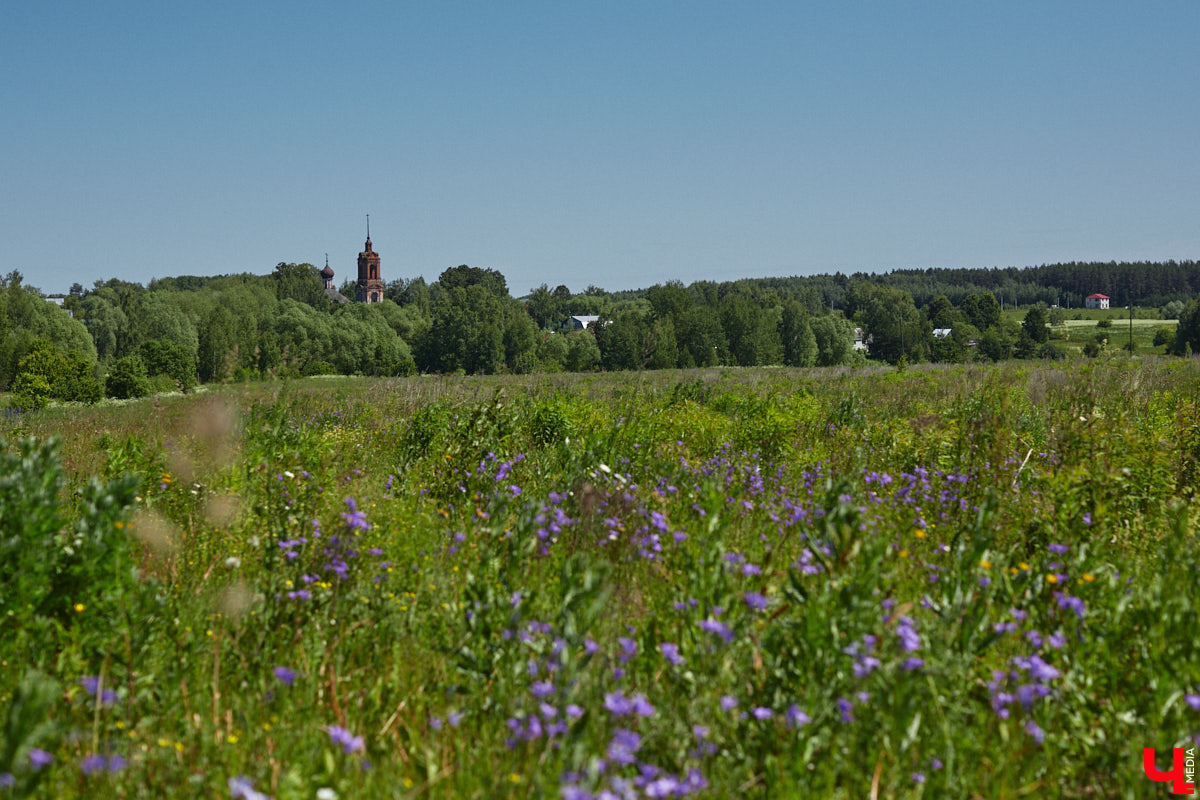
column 1131, row 326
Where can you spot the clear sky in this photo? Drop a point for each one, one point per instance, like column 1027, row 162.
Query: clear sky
column 613, row 143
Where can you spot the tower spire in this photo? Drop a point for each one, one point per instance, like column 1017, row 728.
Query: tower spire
column 368, row 227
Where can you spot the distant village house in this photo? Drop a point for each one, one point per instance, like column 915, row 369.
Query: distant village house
column 580, row 322
column 1096, row 301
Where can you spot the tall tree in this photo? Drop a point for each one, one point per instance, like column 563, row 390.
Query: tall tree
column 1034, row 325
column 799, row 343
column 894, row 327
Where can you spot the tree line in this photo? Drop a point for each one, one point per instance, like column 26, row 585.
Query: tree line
column 123, row 339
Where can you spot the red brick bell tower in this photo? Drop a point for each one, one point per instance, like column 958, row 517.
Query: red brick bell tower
column 370, row 287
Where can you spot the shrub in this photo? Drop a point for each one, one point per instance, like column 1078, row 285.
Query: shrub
column 46, row 373
column 127, row 378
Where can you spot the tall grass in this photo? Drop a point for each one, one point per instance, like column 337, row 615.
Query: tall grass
column 941, row 582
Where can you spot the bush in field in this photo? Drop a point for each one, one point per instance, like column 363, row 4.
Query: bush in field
column 127, row 378
column 46, row 373
column 1164, row 336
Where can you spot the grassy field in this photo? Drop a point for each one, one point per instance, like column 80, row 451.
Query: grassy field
column 970, row 581
column 1074, row 334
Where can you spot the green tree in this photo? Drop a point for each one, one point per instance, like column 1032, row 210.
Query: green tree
column 218, row 337
column 1172, row 310
column 669, row 301
column 1187, row 332
column 551, row 351
column 467, row 332
column 127, row 378
column 105, row 321
column 834, row 336
column 520, row 339
column 998, row 342
column 941, row 313
column 543, row 307
column 1034, row 325
column 621, row 341
column 162, row 318
column 700, row 338
column 463, row 277
column 751, row 331
column 301, row 282
column 891, row 321
column 46, row 373
column 165, row 357
column 583, row 354
column 982, row 310
column 799, row 343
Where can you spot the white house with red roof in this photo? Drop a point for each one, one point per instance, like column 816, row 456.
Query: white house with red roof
column 1096, row 301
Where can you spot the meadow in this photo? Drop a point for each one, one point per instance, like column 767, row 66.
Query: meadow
column 962, row 581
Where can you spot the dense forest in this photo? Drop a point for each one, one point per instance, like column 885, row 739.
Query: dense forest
column 123, row 339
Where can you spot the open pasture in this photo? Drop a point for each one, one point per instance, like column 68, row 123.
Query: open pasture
column 972, row 581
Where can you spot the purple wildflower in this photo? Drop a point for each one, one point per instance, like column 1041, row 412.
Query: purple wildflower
column 762, row 713
column 1073, row 603
column 728, row 703
column 755, row 600
column 92, row 763
column 355, row 519
column 1033, row 730
column 1041, row 671
column 284, row 675
column 1193, row 700
column 671, row 653
column 623, row 745
column 641, row 706
column 242, row 788
column 541, row 689
column 795, row 717
column 909, row 639
column 1058, row 549
column 91, row 685
column 717, row 627
column 618, row 704
column 347, row 740
column 39, row 758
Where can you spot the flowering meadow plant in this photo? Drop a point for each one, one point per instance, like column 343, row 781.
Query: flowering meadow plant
column 942, row 582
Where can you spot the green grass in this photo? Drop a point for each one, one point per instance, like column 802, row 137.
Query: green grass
column 717, row 576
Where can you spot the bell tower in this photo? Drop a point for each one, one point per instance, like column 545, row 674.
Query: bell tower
column 370, row 287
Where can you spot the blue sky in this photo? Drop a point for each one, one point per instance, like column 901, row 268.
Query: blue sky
column 612, row 143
